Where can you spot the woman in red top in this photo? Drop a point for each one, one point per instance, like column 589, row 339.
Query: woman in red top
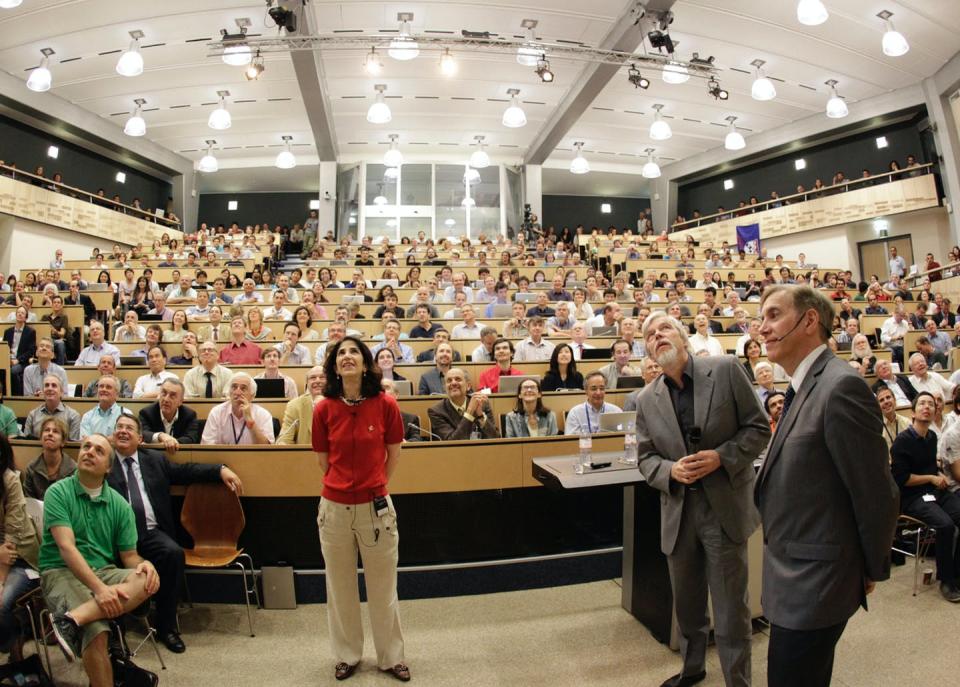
column 357, row 432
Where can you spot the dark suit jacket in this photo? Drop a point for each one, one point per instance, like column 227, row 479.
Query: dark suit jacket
column 448, row 424
column 28, row 343
column 158, row 474
column 904, row 383
column 827, row 501
column 186, row 429
column 409, row 433
column 89, row 309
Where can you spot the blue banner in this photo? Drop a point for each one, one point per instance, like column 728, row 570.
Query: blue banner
column 748, row 239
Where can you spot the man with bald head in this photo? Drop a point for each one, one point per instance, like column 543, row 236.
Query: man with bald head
column 169, row 421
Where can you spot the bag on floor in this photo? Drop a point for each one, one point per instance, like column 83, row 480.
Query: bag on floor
column 26, row 673
column 128, row 674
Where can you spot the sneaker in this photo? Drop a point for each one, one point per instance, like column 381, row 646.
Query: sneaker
column 69, row 636
column 950, row 592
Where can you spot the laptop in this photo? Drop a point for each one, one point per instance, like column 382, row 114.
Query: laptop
column 604, row 331
column 270, row 388
column 525, row 298
column 595, row 354
column 353, row 299
column 403, row 387
column 630, row 382
column 502, row 310
column 395, row 283
column 618, row 422
column 96, row 286
column 133, row 360
column 510, row 385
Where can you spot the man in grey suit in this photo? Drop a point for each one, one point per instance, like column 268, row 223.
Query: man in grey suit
column 699, row 429
column 826, row 497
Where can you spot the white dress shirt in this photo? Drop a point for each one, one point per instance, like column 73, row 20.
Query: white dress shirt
column 151, row 517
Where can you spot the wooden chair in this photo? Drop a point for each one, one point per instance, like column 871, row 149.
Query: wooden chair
column 213, row 517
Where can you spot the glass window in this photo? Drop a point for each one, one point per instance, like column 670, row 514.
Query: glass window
column 451, row 215
column 485, row 215
column 375, row 227
column 379, row 185
column 415, row 181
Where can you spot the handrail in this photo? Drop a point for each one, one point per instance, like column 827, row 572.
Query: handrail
column 731, row 213
column 942, row 268
column 13, row 172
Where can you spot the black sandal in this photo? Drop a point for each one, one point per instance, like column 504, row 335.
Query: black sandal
column 399, row 671
column 344, row 670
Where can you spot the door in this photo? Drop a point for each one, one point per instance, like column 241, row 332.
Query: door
column 875, row 255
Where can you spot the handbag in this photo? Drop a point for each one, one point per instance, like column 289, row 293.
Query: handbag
column 28, row 672
column 128, row 674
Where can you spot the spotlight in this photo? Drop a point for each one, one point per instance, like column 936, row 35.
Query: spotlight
column 544, row 72
column 255, row 69
column 713, row 87
column 637, row 79
column 661, row 40
column 283, row 18
column 236, row 52
column 372, row 64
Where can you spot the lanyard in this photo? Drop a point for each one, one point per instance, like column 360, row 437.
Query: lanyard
column 586, row 411
column 233, row 428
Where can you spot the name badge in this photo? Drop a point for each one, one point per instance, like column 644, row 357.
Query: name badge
column 929, row 497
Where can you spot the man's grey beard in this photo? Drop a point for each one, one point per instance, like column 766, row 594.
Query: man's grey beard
column 667, row 358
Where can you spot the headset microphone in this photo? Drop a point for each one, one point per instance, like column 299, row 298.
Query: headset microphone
column 792, row 329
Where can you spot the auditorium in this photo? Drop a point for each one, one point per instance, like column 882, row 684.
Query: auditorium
column 649, row 347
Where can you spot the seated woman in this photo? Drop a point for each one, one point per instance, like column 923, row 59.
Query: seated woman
column 52, row 464
column 562, row 373
column 529, row 418
column 386, row 360
column 752, row 352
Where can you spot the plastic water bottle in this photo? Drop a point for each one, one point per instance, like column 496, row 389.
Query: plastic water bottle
column 586, row 449
column 630, row 447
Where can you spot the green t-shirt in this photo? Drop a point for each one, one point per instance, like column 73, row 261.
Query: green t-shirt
column 101, row 526
column 8, row 422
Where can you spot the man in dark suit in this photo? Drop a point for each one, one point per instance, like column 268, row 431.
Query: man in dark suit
column 77, row 298
column 168, row 421
column 699, row 429
column 459, row 416
column 22, row 339
column 826, row 540
column 886, row 378
column 143, row 477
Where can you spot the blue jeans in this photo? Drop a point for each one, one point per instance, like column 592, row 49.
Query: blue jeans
column 17, row 585
column 60, row 351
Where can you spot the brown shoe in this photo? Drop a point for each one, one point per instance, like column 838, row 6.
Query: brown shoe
column 399, row 671
column 344, row 670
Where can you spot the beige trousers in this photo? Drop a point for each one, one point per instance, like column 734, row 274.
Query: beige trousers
column 345, row 529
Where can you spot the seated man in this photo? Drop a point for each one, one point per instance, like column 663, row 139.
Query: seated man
column 389, row 306
column 534, row 348
column 153, row 337
column 131, row 330
column 291, row 351
column 391, row 339
column 200, row 311
column 503, row 354
column 102, row 417
column 440, row 336
column 432, row 382
column 923, row 490
column 148, row 385
column 277, row 311
column 459, row 300
column 22, row 339
column 143, row 477
column 90, row 356
column 297, row 426
column 459, row 416
column 541, row 309
column 160, row 307
column 469, row 328
column 249, row 295
column 35, row 373
column 182, row 292
column 107, row 366
column 585, row 418
column 561, row 323
column 893, row 331
column 893, row 422
column 209, row 379
column 168, row 421
column 900, row 386
column 425, row 329
column 484, row 352
column 271, row 370
column 923, row 379
column 238, row 420
column 240, row 350
column 335, row 332
column 52, row 407
column 578, row 340
column 85, row 522
column 188, row 351
column 620, row 367
column 935, row 359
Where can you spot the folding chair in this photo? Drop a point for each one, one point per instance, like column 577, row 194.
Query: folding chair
column 918, row 534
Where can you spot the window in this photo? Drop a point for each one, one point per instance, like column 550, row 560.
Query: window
column 53, row 151
column 605, row 208
column 121, row 177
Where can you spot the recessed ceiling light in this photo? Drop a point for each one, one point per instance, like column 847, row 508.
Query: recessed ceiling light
column 799, row 164
column 727, row 184
column 881, row 142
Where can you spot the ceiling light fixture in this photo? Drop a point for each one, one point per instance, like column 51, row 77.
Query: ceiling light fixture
column 894, row 43
column 637, row 79
column 286, row 159
column 254, row 69
column 762, row 88
column 514, row 117
column 10, row 4
column 659, row 130
column 208, row 163
column 675, row 73
column 734, row 139
column 811, row 12
column 379, row 112
column 372, row 64
column 714, row 89
column 393, row 157
column 579, row 164
column 131, row 61
column 236, row 51
column 651, row 170
column 544, row 72
column 470, row 175
column 391, row 174
column 403, row 47
column 220, row 118
column 836, row 107
column 448, row 65
column 40, row 78
column 529, row 54
column 380, row 199
column 136, row 126
column 479, row 158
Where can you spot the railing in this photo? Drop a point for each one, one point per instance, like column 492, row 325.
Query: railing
column 760, row 206
column 80, row 194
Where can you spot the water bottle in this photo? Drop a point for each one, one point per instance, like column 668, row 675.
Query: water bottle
column 630, row 445
column 586, row 448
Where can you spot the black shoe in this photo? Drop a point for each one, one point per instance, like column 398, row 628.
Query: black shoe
column 173, row 642
column 69, row 636
column 950, row 592
column 681, row 680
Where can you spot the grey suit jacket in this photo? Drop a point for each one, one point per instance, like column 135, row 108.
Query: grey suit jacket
column 827, row 500
column 732, row 423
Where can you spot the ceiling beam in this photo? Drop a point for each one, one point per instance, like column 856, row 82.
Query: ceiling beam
column 308, row 67
column 626, row 35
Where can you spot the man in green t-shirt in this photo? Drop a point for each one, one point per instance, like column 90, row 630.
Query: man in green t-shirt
column 85, row 522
